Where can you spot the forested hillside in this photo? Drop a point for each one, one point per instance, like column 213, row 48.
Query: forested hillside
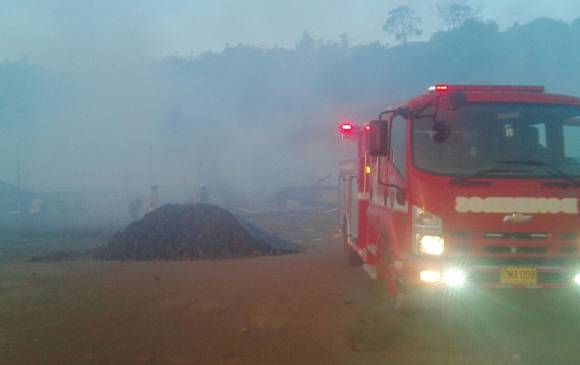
column 248, row 117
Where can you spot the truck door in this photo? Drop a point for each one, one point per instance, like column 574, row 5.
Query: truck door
column 353, row 216
column 348, row 186
column 397, row 170
column 391, row 169
column 396, row 188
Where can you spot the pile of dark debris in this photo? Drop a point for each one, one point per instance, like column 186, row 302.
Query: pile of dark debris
column 191, row 231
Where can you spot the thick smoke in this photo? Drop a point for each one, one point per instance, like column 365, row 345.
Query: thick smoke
column 105, row 116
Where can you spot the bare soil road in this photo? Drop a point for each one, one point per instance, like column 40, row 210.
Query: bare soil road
column 306, row 308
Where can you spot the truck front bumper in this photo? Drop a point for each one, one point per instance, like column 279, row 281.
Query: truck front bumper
column 451, row 274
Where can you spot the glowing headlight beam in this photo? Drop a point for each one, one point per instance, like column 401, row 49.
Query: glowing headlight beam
column 454, row 278
column 431, row 245
column 430, row 276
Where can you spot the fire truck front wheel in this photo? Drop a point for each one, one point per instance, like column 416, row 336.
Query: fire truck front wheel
column 404, row 300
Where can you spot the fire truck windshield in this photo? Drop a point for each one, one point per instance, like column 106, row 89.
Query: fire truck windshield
column 503, row 140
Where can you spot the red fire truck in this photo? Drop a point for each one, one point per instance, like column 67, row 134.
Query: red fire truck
column 465, row 187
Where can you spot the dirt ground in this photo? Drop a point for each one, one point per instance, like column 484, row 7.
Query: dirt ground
column 306, row 308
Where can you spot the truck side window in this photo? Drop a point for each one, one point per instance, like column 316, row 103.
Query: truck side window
column 399, row 143
column 571, row 138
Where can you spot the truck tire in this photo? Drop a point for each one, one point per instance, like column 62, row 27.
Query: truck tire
column 404, row 301
column 352, row 256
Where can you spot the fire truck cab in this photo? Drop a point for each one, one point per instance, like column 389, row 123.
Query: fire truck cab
column 465, row 187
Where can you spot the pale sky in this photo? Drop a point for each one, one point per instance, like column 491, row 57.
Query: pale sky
column 62, row 32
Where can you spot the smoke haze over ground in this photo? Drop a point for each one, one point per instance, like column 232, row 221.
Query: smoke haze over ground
column 104, row 100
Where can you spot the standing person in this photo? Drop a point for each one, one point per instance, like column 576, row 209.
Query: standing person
column 153, row 198
column 203, row 194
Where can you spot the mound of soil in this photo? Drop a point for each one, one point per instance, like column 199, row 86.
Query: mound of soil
column 61, row 255
column 192, row 231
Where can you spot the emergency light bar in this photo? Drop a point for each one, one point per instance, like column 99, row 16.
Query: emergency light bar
column 346, row 127
column 500, row 88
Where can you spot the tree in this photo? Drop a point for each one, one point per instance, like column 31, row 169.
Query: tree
column 343, row 40
column 306, row 42
column 454, row 13
column 403, row 23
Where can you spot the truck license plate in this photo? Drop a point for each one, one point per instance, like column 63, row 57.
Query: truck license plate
column 519, row 276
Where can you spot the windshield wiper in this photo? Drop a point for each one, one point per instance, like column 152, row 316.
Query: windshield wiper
column 550, row 168
column 483, row 172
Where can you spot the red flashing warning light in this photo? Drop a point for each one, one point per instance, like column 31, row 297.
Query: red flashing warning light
column 346, row 127
column 488, row 88
column 367, row 128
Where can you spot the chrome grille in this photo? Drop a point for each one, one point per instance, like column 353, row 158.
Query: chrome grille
column 516, row 236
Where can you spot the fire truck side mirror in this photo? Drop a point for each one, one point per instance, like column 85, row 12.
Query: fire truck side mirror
column 379, row 138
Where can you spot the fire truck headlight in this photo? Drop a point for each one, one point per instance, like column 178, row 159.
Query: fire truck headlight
column 428, row 232
column 577, row 278
column 454, row 278
column 431, row 245
column 430, row 276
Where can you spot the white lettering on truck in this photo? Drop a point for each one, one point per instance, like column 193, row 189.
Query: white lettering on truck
column 516, row 205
